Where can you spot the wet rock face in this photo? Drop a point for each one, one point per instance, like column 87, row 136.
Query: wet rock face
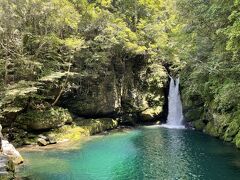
column 126, row 87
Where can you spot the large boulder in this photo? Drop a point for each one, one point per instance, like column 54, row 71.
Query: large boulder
column 81, row 127
column 95, row 96
column 10, row 151
column 44, row 120
column 42, row 142
column 94, row 126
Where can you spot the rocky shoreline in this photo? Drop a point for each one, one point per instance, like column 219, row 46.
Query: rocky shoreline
column 62, row 138
column 67, row 144
column 9, row 158
column 64, row 145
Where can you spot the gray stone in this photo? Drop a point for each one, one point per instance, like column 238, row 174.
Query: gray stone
column 52, row 140
column 43, row 137
column 10, row 151
column 42, row 142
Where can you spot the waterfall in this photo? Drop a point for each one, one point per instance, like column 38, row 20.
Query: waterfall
column 175, row 115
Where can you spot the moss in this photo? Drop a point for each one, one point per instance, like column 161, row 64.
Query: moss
column 231, row 131
column 218, row 125
column 223, row 121
column 237, row 140
column 71, row 132
column 211, row 129
column 29, row 141
column 199, row 125
column 193, row 114
column 7, row 168
column 46, row 119
column 93, row 126
column 82, row 127
column 150, row 113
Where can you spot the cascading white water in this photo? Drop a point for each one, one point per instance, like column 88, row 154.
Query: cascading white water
column 175, row 115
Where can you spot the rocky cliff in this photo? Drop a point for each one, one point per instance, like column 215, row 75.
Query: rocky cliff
column 127, row 90
column 215, row 114
column 131, row 89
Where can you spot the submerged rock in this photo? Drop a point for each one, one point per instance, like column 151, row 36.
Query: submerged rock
column 10, row 151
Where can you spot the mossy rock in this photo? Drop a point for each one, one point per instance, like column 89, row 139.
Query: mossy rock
column 44, row 120
column 70, row 132
column 218, row 125
column 231, row 131
column 223, row 121
column 94, row 126
column 237, row 140
column 211, row 129
column 199, row 125
column 82, row 127
column 150, row 113
column 193, row 114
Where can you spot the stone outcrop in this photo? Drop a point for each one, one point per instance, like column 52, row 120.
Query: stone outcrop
column 126, row 88
column 45, row 140
column 10, row 151
column 44, row 120
column 42, row 142
column 82, row 127
column 222, row 125
column 9, row 157
column 94, row 126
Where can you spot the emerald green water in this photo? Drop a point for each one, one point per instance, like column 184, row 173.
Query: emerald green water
column 145, row 153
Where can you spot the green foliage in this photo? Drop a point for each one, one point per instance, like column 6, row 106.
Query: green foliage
column 44, row 45
column 212, row 70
